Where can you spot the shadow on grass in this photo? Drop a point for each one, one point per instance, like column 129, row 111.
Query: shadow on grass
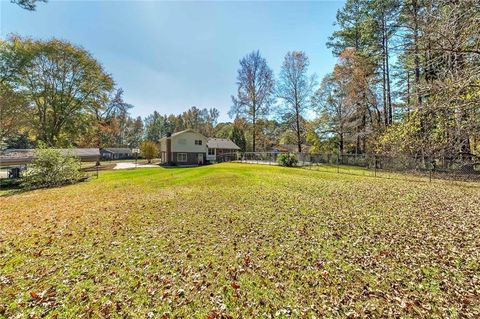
column 10, row 187
column 409, row 176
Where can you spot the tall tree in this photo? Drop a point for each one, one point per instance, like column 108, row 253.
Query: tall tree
column 14, row 114
column 237, row 135
column 450, row 43
column 63, row 83
column 155, row 127
column 135, row 132
column 114, row 121
column 30, row 5
column 295, row 89
column 348, row 98
column 201, row 120
column 14, row 108
column 212, row 121
column 116, row 106
column 334, row 113
column 384, row 16
column 255, row 91
column 410, row 20
column 368, row 27
column 352, row 21
column 12, row 60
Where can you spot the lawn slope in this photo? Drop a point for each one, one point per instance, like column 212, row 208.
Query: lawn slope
column 241, row 240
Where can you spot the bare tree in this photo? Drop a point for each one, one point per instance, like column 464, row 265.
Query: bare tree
column 255, row 90
column 330, row 103
column 295, row 89
column 27, row 4
column 450, row 42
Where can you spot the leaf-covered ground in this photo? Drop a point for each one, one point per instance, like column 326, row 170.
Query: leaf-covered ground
column 238, row 240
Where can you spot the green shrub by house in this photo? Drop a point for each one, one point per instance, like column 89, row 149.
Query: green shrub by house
column 52, row 168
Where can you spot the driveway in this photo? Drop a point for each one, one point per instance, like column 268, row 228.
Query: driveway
column 132, row 165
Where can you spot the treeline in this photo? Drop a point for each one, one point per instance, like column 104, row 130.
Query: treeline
column 200, row 120
column 56, row 93
column 407, row 80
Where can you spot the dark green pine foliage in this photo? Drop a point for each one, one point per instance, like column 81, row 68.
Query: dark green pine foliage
column 237, row 135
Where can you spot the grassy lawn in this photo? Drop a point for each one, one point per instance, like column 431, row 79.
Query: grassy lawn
column 241, row 240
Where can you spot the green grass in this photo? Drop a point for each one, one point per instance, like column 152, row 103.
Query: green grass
column 243, row 241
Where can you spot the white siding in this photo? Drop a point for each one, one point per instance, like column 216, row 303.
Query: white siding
column 212, row 157
column 163, row 145
column 185, row 142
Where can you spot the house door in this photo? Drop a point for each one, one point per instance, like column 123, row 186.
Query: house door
column 200, row 158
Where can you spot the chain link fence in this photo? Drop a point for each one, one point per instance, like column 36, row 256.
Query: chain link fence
column 464, row 168
column 459, row 168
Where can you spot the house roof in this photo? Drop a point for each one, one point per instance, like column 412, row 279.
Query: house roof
column 291, row 147
column 222, row 143
column 185, row 131
column 188, row 130
column 117, row 150
column 16, row 154
column 24, row 156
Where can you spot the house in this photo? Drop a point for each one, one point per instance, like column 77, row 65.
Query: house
column 192, row 148
column 115, row 153
column 183, row 148
column 221, row 149
column 291, row 148
column 14, row 157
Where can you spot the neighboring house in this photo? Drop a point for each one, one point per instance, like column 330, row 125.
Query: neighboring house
column 222, row 149
column 14, row 157
column 192, row 148
column 291, row 148
column 115, row 153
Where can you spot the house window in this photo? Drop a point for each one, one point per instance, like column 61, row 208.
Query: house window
column 181, row 157
column 198, row 142
column 211, row 151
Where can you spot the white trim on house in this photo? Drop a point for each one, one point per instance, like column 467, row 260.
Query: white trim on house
column 211, row 157
column 189, row 141
column 182, row 157
column 220, row 146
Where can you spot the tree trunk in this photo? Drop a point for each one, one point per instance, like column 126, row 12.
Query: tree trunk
column 389, row 92
column 408, row 90
column 341, row 143
column 297, row 111
column 416, row 58
column 340, row 135
column 384, row 77
column 299, row 141
column 254, row 120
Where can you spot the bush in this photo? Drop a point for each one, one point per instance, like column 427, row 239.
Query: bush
column 149, row 150
column 52, row 168
column 287, row 159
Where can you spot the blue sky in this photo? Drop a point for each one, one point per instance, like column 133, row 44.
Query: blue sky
column 168, row 56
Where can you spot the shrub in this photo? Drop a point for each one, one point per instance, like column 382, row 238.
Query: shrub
column 287, row 159
column 52, row 168
column 149, row 150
